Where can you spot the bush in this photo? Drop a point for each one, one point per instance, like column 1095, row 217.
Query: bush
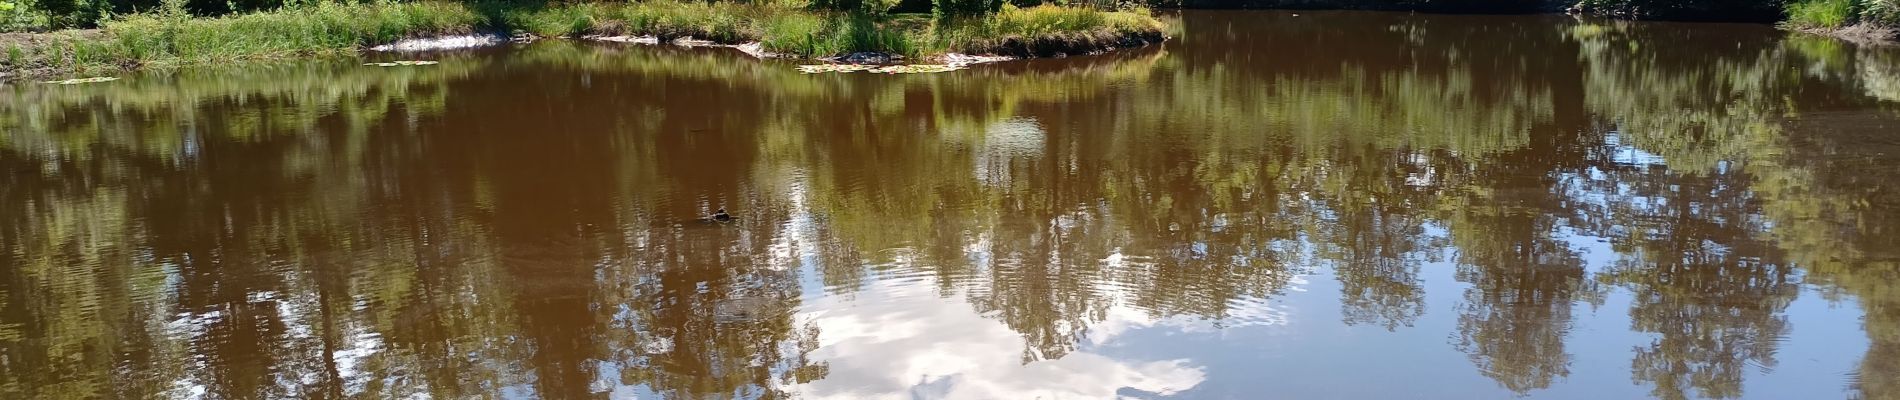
column 19, row 15
column 1881, row 12
column 955, row 9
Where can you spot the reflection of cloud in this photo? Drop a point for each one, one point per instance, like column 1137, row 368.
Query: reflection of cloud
column 1123, row 317
column 1882, row 80
column 905, row 342
column 1003, row 143
column 1240, row 313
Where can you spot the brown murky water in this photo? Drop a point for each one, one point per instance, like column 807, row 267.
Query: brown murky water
column 1330, row 205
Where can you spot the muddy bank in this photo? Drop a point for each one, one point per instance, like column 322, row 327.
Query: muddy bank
column 1066, row 44
column 13, row 43
column 1858, row 33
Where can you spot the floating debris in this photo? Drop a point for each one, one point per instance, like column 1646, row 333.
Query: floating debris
column 402, row 63
column 624, row 39
column 915, row 69
column 877, row 69
column 441, row 43
column 823, row 68
column 964, row 60
column 84, row 80
column 866, row 57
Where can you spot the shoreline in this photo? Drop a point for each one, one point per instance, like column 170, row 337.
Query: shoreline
column 151, row 41
column 1860, row 34
column 1055, row 44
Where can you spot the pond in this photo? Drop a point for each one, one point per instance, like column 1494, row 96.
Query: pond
column 1271, row 205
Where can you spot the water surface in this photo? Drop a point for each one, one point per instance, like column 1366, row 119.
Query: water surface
column 1328, row 205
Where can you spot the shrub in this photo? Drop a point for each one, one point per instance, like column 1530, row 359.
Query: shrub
column 1881, row 12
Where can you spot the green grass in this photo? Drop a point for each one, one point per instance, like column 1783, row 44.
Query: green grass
column 172, row 39
column 1045, row 29
column 1821, row 13
column 146, row 40
column 797, row 31
column 723, row 22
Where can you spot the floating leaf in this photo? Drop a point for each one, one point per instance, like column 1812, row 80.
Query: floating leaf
column 83, row 80
column 842, row 68
column 402, row 63
column 915, row 69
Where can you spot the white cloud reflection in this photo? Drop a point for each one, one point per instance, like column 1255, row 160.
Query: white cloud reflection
column 906, row 342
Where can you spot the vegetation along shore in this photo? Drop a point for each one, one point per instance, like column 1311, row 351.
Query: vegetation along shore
column 186, row 33
column 67, row 37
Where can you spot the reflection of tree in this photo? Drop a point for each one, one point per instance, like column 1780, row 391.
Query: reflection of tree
column 1831, row 202
column 377, row 233
column 1516, row 314
column 1702, row 282
column 1375, row 235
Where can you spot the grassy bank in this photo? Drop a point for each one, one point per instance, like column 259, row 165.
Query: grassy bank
column 172, row 39
column 175, row 39
column 1876, row 20
column 1034, row 31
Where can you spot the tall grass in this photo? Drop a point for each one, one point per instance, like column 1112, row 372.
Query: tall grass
column 172, row 38
column 797, row 31
column 724, row 22
column 1044, row 29
column 812, row 35
column 1821, row 13
column 161, row 39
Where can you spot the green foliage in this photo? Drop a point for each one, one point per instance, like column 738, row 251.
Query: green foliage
column 174, row 38
column 1821, row 13
column 783, row 29
column 1843, row 13
column 171, row 36
column 326, row 27
column 1048, row 26
column 798, row 34
column 866, row 7
column 666, row 19
column 19, row 15
column 1880, row 12
column 954, row 9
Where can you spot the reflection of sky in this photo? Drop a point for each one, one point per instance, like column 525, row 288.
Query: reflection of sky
column 898, row 341
column 899, row 338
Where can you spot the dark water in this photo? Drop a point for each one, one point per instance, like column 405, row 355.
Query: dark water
column 1330, row 205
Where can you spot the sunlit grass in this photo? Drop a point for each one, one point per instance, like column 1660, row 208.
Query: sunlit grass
column 1821, row 13
column 1044, row 29
column 172, row 38
column 160, row 39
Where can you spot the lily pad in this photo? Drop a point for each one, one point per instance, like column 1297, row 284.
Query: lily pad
column 83, row 80
column 915, row 69
column 840, row 68
column 402, row 63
